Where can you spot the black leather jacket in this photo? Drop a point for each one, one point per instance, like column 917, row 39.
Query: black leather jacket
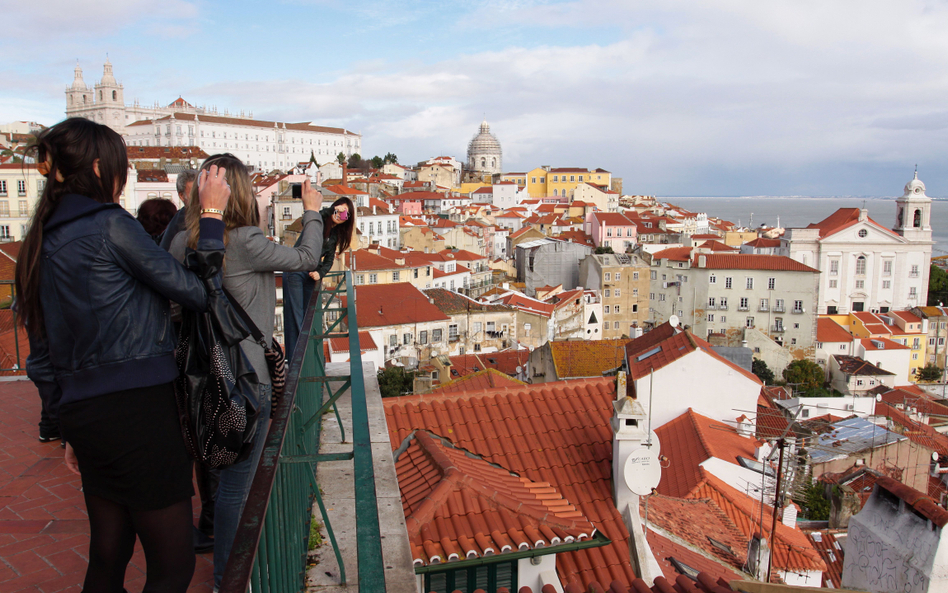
column 105, row 287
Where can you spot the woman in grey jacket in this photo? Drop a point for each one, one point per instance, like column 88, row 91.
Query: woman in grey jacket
column 249, row 263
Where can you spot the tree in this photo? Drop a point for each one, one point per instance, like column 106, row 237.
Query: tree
column 763, row 372
column 355, row 161
column 396, row 381
column 377, row 162
column 390, row 159
column 930, row 373
column 312, row 158
column 937, row 286
column 805, row 373
column 815, row 506
column 341, row 157
column 606, row 249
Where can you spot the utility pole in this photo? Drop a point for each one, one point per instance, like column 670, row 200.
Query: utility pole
column 777, row 497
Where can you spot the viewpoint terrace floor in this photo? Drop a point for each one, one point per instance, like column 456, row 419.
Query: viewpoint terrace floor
column 44, row 529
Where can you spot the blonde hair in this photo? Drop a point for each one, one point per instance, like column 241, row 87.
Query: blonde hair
column 241, row 208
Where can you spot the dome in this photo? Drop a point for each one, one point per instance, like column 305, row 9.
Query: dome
column 78, row 84
column 914, row 187
column 107, row 77
column 483, row 152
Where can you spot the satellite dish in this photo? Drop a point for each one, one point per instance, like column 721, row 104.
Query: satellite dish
column 674, row 321
column 642, row 471
column 519, row 369
column 753, row 551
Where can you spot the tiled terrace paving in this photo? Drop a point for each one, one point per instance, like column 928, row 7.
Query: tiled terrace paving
column 44, row 530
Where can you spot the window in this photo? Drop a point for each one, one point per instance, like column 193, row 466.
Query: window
column 750, row 284
column 858, row 381
column 778, row 305
column 556, row 178
column 635, row 275
column 24, row 208
column 834, row 283
column 606, row 293
column 771, row 283
column 5, row 232
column 491, row 326
column 661, row 296
column 609, row 232
column 886, row 284
column 635, row 292
column 712, row 302
column 914, row 272
column 915, row 356
column 435, row 336
column 396, row 276
column 453, row 332
column 913, row 292
column 798, row 306
column 618, row 292
column 727, row 282
column 406, row 339
column 793, row 341
column 21, row 189
column 618, row 276
column 608, row 308
column 373, row 278
column 749, row 322
column 834, row 267
column 712, row 279
column 393, row 341
column 710, row 316
column 653, row 275
column 861, row 265
column 744, row 305
column 860, row 283
column 916, row 343
column 526, row 329
column 615, row 325
column 360, row 278
column 423, row 337
column 5, row 209
column 3, row 186
column 887, row 267
column 572, row 178
column 616, row 309
column 724, row 302
column 764, row 304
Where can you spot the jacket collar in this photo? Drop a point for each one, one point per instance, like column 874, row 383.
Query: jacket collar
column 73, row 206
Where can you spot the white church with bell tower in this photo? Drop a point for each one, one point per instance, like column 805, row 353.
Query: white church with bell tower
column 864, row 265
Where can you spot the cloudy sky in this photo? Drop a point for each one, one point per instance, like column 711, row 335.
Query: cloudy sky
column 679, row 98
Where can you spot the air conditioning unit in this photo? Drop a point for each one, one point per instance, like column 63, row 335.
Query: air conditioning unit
column 850, row 407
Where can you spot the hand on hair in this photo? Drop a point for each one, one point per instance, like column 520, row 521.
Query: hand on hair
column 213, row 190
column 312, row 197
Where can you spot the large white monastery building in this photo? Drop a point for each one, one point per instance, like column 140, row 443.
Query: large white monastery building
column 263, row 145
column 864, row 265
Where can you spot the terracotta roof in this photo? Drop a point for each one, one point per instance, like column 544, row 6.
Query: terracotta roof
column 526, row 304
column 715, row 245
column 557, row 433
column 695, row 522
column 344, row 190
column 366, row 261
column 853, row 365
column 671, row 349
column 11, row 249
column 691, row 439
column 914, row 396
column 917, row 432
column 582, row 358
column 153, row 175
column 791, row 548
column 915, row 499
column 366, row 343
column 448, row 302
column 827, row 330
column 486, row 379
column 830, row 550
column 843, row 219
column 576, row 236
column 459, row 506
column 612, row 219
column 743, row 261
column 673, row 254
column 394, row 304
column 505, row 361
column 906, row 316
column 872, row 344
column 761, row 242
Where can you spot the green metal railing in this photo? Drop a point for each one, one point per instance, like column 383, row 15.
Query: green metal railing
column 14, row 361
column 271, row 544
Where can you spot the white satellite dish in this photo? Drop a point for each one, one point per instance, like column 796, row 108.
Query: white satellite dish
column 674, row 321
column 519, row 369
column 642, row 471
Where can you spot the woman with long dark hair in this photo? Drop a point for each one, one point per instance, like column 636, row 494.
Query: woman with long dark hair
column 249, row 265
column 94, row 287
column 338, row 225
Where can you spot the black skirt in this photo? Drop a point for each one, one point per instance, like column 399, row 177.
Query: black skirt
column 130, row 447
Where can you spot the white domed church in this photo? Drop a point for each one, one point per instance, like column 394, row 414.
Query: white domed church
column 483, row 152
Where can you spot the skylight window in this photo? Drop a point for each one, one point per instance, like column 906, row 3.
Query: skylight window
column 721, row 546
column 648, row 354
column 683, row 568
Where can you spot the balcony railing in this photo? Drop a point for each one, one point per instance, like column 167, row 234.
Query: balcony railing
column 777, row 329
column 270, row 547
column 763, row 308
column 15, row 360
column 722, row 307
column 743, row 308
column 779, row 309
column 796, row 311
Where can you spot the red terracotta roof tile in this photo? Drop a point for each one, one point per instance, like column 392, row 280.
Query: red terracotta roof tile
column 824, row 541
column 743, row 261
column 394, row 304
column 586, row 358
column 486, row 379
column 843, row 219
column 827, row 330
column 578, row 467
column 340, row 345
column 673, row 254
column 505, row 361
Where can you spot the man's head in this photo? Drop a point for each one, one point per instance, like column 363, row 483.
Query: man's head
column 186, row 179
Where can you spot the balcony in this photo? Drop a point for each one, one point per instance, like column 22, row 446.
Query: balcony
column 913, row 274
column 780, row 309
column 763, row 308
column 796, row 311
column 350, row 477
column 777, row 329
column 743, row 308
column 722, row 307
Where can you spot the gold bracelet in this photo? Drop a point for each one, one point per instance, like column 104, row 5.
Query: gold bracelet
column 212, row 211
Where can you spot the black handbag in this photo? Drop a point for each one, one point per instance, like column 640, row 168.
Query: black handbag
column 276, row 359
column 217, row 389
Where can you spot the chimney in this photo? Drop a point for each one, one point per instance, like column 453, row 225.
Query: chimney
column 863, row 214
column 702, row 261
column 345, row 173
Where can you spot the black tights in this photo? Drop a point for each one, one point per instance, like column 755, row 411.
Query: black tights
column 166, row 540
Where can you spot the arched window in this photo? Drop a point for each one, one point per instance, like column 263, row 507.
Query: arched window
column 493, row 163
column 114, row 95
column 100, row 95
column 554, row 192
column 917, row 223
column 861, row 265
column 483, row 162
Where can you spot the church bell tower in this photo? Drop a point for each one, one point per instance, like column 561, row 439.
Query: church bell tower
column 913, row 212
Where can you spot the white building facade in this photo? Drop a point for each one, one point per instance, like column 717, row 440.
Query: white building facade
column 865, row 266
